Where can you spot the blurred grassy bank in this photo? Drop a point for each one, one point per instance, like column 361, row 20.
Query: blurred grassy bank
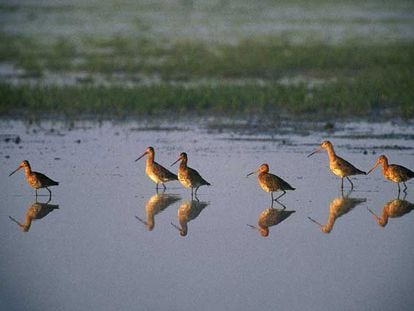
column 120, row 76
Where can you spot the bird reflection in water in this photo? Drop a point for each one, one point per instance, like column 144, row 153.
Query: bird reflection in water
column 35, row 211
column 155, row 205
column 338, row 207
column 393, row 209
column 270, row 217
column 188, row 211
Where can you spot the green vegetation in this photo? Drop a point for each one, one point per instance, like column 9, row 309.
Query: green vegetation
column 261, row 75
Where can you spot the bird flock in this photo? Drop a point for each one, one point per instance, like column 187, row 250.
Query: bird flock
column 190, row 178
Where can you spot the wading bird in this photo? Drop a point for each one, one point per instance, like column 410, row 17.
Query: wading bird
column 338, row 166
column 156, row 172
column 35, row 179
column 271, row 183
column 189, row 177
column 393, row 172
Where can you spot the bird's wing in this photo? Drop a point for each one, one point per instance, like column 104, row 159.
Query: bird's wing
column 163, row 173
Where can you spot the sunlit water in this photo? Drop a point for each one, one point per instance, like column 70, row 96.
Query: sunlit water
column 113, row 243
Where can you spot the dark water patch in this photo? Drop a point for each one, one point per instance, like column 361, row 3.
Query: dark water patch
column 404, row 136
column 10, row 138
column 159, row 128
column 281, row 141
column 383, row 147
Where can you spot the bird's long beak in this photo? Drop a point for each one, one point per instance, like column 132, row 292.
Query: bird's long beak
column 141, row 220
column 176, row 227
column 373, row 214
column 252, row 173
column 176, row 161
column 314, row 221
column 253, row 227
column 315, row 151
column 15, row 170
column 145, row 153
column 376, row 164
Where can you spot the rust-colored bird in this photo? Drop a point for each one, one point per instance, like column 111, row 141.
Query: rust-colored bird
column 156, row 172
column 35, row 179
column 189, row 177
column 393, row 209
column 393, row 172
column 34, row 212
column 270, row 217
column 338, row 166
column 271, row 183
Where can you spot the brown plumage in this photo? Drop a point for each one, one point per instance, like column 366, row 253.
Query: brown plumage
column 270, row 217
column 393, row 172
column 393, row 209
column 338, row 207
column 188, row 210
column 35, row 179
column 337, row 165
column 189, row 177
column 34, row 212
column 155, row 205
column 156, row 172
column 271, row 183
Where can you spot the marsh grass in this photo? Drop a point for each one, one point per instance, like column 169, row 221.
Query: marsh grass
column 342, row 100
column 356, row 79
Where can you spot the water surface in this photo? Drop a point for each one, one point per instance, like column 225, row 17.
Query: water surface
column 111, row 244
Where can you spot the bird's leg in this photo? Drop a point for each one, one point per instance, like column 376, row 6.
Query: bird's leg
column 271, row 193
column 399, row 190
column 195, row 193
column 342, row 183
column 156, row 187
column 282, row 205
column 352, row 185
column 347, row 194
column 165, row 188
column 36, row 192
column 192, row 193
column 50, row 193
column 284, row 192
column 405, row 187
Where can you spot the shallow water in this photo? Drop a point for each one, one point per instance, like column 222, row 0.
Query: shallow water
column 110, row 243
